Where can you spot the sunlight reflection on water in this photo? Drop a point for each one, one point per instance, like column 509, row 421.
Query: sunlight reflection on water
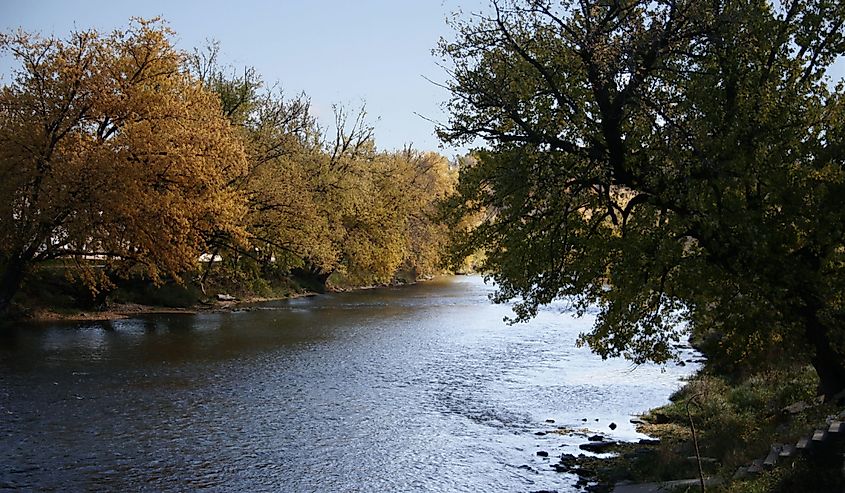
column 422, row 388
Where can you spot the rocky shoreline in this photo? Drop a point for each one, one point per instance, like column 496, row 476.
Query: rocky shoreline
column 598, row 456
column 800, row 446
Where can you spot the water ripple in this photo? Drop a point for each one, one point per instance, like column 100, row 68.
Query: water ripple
column 415, row 389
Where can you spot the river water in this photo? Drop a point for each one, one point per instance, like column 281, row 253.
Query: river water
column 420, row 388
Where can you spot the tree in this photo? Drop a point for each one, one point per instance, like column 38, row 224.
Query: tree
column 677, row 163
column 379, row 206
column 108, row 147
column 428, row 180
column 382, row 205
column 324, row 201
column 357, row 192
column 282, row 141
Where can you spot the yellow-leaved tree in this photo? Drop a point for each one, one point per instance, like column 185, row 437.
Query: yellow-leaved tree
column 284, row 149
column 428, row 180
column 110, row 148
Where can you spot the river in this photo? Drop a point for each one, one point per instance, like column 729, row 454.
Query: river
column 419, row 388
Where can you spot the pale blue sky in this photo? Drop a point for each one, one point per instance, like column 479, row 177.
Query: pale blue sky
column 347, row 52
column 336, row 51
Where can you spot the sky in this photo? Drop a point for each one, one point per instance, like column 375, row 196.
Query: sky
column 372, row 52
column 347, row 52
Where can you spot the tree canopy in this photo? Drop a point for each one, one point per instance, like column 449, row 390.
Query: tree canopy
column 120, row 155
column 325, row 200
column 108, row 147
column 677, row 163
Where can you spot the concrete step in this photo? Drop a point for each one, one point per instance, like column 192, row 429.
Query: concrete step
column 687, row 484
column 820, row 436
column 756, row 467
column 804, row 443
column 788, row 451
column 771, row 460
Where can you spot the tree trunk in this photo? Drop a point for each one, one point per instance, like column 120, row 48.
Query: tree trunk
column 208, row 267
column 10, row 282
column 312, row 277
column 829, row 364
column 831, row 375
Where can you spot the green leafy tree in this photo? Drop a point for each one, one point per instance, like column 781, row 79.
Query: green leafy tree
column 677, row 163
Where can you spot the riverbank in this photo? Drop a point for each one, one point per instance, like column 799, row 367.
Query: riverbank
column 740, row 435
column 51, row 296
column 120, row 311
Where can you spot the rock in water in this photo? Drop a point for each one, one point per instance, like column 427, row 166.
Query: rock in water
column 596, row 446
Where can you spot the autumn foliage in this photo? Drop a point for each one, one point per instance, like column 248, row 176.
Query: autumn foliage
column 122, row 149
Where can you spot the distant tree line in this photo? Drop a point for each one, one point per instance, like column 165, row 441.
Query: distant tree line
column 123, row 149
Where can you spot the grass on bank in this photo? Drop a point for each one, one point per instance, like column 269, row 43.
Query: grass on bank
column 735, row 423
column 50, row 289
